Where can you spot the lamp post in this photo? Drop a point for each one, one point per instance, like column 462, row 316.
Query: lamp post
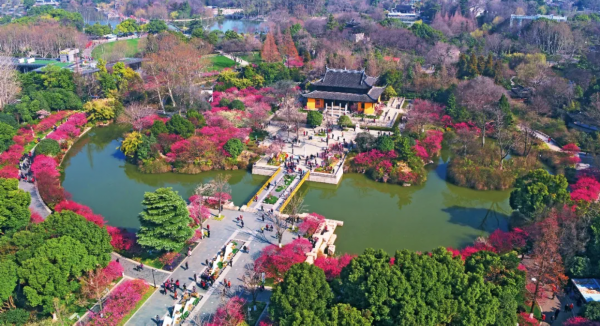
column 153, row 279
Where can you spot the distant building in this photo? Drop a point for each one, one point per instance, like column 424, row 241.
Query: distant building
column 405, row 13
column 68, row 55
column 356, row 37
column 521, row 18
column 344, row 88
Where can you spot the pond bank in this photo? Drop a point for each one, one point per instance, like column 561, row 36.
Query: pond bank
column 375, row 214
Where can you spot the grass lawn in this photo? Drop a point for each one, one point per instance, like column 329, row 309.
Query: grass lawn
column 271, row 200
column 220, row 62
column 138, row 305
column 253, row 57
column 104, row 51
column 280, row 188
column 253, row 316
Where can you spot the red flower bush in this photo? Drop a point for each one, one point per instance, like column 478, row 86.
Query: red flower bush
column 113, row 270
column 49, row 188
column 525, row 320
column 469, row 250
column 43, row 164
column 35, row 217
column 12, row 155
column 220, row 137
column 119, row 303
column 9, row 172
column 505, row 242
column 571, row 148
column 332, row 266
column 372, row 157
column 80, row 209
column 121, row 239
column 50, row 121
column 586, row 188
column 580, row 321
column 232, row 313
column 275, row 261
column 433, row 142
column 310, row 223
column 214, row 200
column 420, row 151
column 23, row 137
column 198, row 212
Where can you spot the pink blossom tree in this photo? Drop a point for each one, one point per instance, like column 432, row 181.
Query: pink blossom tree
column 332, row 266
column 231, row 314
column 310, row 224
column 275, row 261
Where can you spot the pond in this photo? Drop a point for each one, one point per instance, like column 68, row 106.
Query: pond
column 238, row 25
column 375, row 214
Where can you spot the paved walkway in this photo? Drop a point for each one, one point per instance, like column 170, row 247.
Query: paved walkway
column 549, row 306
column 237, row 60
column 149, row 274
column 221, row 232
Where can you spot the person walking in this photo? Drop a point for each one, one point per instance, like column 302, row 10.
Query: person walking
column 187, row 266
column 184, row 287
column 242, row 223
column 175, row 295
column 206, row 262
column 556, row 313
column 177, row 284
column 195, row 278
column 229, row 284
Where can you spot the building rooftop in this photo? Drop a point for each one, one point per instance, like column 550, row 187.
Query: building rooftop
column 356, row 79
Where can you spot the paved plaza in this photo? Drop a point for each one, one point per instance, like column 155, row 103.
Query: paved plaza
column 220, row 234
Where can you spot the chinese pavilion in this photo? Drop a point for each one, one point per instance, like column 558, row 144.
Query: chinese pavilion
column 342, row 88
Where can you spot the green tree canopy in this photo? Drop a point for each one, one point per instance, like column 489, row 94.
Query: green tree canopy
column 93, row 238
column 55, row 77
column 156, row 26
column 430, row 289
column 164, row 221
column 234, row 147
column 128, row 26
column 180, row 126
column 51, row 272
column 345, row 314
column 14, row 206
column 158, row 127
column 314, row 118
column 8, row 277
column 344, row 121
column 304, row 291
column 48, row 147
column 237, row 105
column 385, row 143
column 365, row 141
column 537, row 190
column 6, row 136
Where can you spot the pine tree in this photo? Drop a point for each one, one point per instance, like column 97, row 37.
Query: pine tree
column 307, row 57
column 473, row 66
column 463, row 65
column 164, row 221
column 505, row 107
column 480, row 64
column 451, row 107
column 289, row 46
column 269, row 51
column 498, row 72
column 331, row 23
column 489, row 67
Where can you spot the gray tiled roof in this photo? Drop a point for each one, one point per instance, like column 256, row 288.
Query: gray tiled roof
column 356, row 79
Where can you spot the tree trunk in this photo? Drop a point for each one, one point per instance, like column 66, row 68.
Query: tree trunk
column 483, row 136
